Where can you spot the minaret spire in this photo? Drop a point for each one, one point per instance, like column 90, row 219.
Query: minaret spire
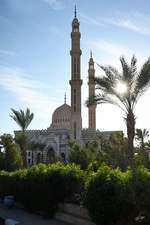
column 75, row 12
column 65, row 98
column 91, row 53
column 91, row 108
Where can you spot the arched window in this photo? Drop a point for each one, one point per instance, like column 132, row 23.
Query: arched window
column 74, row 100
column 39, row 157
column 74, row 96
column 50, row 155
column 29, row 161
column 74, row 128
column 75, row 65
column 63, row 156
column 78, row 65
column 87, row 144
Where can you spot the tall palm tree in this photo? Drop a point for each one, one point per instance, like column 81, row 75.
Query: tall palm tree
column 133, row 85
column 141, row 135
column 23, row 119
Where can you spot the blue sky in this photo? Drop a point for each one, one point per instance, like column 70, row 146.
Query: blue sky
column 35, row 61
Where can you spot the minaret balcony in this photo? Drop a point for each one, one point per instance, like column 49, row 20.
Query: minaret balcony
column 72, row 52
column 76, row 82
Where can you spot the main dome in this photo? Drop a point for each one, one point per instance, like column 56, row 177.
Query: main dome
column 61, row 117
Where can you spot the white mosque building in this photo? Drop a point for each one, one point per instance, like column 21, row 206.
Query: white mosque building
column 67, row 120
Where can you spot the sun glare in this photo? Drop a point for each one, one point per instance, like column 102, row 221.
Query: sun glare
column 121, row 88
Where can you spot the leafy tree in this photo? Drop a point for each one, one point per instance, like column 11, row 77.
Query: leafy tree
column 23, row 119
column 2, row 161
column 136, row 84
column 101, row 151
column 113, row 150
column 118, row 145
column 80, row 156
column 142, row 158
column 98, row 155
column 142, row 150
column 141, row 135
column 52, row 157
column 11, row 156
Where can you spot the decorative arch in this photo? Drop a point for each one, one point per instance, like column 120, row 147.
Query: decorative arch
column 50, row 157
column 50, row 151
column 38, row 157
column 63, row 156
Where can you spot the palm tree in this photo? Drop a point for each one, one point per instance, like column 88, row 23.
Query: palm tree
column 140, row 136
column 133, row 85
column 23, row 119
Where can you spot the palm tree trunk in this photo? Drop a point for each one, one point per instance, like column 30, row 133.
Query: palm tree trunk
column 23, row 150
column 24, row 156
column 131, row 133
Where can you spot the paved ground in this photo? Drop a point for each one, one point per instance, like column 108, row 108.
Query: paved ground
column 26, row 218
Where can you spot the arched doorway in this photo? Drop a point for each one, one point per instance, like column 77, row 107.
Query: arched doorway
column 50, row 158
column 63, row 156
column 38, row 157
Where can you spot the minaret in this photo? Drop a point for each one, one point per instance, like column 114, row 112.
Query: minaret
column 91, row 108
column 75, row 82
column 65, row 98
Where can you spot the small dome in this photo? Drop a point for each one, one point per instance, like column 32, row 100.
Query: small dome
column 61, row 117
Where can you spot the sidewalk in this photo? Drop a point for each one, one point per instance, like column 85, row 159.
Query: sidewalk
column 26, row 218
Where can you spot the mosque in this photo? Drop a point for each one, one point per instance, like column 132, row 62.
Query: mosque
column 67, row 120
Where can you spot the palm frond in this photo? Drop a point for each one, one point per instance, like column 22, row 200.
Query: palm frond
column 115, row 72
column 102, row 83
column 108, row 87
column 133, row 65
column 23, row 119
column 111, row 72
column 28, row 117
column 142, row 80
column 128, row 71
column 18, row 118
column 103, row 98
column 137, row 84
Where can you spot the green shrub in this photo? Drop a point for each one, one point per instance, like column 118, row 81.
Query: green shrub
column 108, row 195
column 42, row 187
column 140, row 183
column 93, row 166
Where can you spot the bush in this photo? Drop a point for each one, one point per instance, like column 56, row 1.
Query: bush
column 140, row 183
column 108, row 195
column 80, row 156
column 113, row 196
column 42, row 187
column 93, row 166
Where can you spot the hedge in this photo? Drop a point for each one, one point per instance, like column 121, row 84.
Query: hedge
column 114, row 197
column 110, row 195
column 42, row 187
